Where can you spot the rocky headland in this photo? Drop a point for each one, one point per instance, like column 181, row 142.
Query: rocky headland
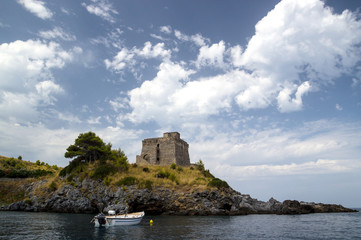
column 93, row 196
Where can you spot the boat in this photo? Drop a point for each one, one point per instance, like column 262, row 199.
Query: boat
column 115, row 220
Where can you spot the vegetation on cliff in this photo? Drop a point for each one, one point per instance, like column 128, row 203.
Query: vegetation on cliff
column 95, row 160
column 17, row 168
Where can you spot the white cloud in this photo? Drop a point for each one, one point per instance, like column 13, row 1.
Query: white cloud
column 120, row 61
column 36, row 7
column 101, row 8
column 94, row 120
column 302, row 43
column 156, row 51
column 157, row 37
column 45, row 90
column 286, row 104
column 166, row 29
column 197, row 39
column 285, row 60
column 112, row 39
column 24, row 63
column 27, row 80
column 66, row 116
column 211, row 55
column 118, row 103
column 339, row 107
column 150, row 101
column 235, row 54
column 57, row 33
column 254, row 152
column 321, row 166
column 127, row 58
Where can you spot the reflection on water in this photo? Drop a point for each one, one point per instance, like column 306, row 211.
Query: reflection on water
column 24, row 225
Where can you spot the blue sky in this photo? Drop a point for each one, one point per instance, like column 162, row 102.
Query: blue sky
column 267, row 93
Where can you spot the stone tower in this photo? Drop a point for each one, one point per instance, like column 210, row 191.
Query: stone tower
column 164, row 151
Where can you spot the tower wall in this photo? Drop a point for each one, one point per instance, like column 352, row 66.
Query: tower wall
column 164, row 151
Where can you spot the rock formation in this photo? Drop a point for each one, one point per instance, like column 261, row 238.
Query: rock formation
column 90, row 196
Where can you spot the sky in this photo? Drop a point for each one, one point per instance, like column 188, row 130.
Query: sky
column 267, row 93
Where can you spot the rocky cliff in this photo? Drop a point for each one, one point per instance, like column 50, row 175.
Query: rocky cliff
column 92, row 196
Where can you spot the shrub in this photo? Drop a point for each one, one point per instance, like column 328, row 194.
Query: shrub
column 70, row 178
column 147, row 184
column 200, row 165
column 162, row 174
column 11, row 162
column 180, row 169
column 23, row 173
column 20, row 157
column 207, row 174
column 28, row 201
column 145, row 169
column 173, row 166
column 218, row 183
column 107, row 181
column 37, row 162
column 173, row 178
column 53, row 186
column 102, row 171
column 134, row 165
column 68, row 169
column 127, row 181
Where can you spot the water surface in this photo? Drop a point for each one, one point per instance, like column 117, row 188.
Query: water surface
column 28, row 225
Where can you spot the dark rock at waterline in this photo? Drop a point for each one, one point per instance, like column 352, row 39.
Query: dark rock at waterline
column 89, row 196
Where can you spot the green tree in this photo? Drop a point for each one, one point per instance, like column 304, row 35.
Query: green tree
column 88, row 147
column 120, row 159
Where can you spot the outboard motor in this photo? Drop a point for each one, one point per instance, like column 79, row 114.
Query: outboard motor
column 101, row 219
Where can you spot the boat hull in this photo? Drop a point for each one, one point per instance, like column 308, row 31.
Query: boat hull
column 121, row 220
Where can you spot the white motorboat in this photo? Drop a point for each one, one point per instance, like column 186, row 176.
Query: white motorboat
column 114, row 220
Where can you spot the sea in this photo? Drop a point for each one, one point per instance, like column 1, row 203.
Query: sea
column 35, row 225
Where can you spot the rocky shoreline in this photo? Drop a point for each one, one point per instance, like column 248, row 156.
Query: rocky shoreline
column 90, row 196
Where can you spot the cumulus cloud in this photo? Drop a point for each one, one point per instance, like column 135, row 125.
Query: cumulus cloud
column 297, row 48
column 150, row 100
column 211, row 55
column 23, row 63
column 101, row 8
column 286, row 104
column 37, row 7
column 126, row 57
column 57, row 33
column 156, row 51
column 27, row 80
column 45, row 90
column 197, row 39
column 300, row 44
column 166, row 29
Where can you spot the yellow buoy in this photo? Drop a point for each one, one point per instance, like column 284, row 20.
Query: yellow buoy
column 151, row 222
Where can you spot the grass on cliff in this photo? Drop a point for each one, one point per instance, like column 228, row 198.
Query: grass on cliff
column 16, row 174
column 18, row 168
column 122, row 174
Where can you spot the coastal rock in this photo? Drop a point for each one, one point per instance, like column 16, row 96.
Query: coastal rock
column 90, row 196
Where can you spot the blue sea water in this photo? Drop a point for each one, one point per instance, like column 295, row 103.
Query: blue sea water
column 27, row 225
